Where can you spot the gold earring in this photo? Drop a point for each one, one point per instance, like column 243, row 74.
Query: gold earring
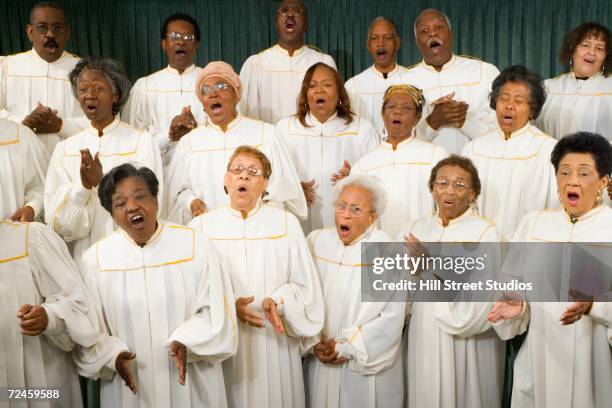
column 599, row 198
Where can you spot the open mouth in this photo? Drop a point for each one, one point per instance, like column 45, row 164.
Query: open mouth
column 507, row 119
column 589, row 60
column 290, row 25
column 180, row 52
column 91, row 108
column 216, row 107
column 396, row 122
column 573, row 197
column 381, row 52
column 320, row 101
column 448, row 203
column 242, row 190
column 435, row 45
column 137, row 221
column 344, row 230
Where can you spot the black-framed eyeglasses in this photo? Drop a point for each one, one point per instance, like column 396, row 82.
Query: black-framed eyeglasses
column 218, row 87
column 174, row 36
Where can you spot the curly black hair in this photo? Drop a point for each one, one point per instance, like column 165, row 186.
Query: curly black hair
column 579, row 34
column 109, row 182
column 519, row 73
column 585, row 142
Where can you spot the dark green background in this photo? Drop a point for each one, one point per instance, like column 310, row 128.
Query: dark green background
column 502, row 32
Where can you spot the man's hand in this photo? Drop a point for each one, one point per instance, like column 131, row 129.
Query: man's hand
column 309, row 191
column 269, row 307
column 34, row 319
column 178, row 351
column 505, row 309
column 43, row 119
column 197, row 207
column 182, row 124
column 326, row 352
column 91, row 169
column 342, row 173
column 245, row 315
column 447, row 112
column 24, row 214
column 122, row 366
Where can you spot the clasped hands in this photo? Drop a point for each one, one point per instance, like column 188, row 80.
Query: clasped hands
column 325, row 352
column 43, row 119
column 447, row 112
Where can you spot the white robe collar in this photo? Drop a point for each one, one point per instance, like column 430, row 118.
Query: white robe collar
column 238, row 213
column 400, row 145
column 597, row 75
column 590, row 214
column 466, row 214
column 40, row 59
column 366, row 234
column 108, row 129
column 312, row 120
column 230, row 126
column 156, row 234
column 187, row 70
column 448, row 65
column 286, row 53
column 516, row 133
column 390, row 73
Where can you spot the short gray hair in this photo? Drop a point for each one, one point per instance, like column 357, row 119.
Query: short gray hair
column 371, row 183
column 114, row 73
column 448, row 23
column 386, row 20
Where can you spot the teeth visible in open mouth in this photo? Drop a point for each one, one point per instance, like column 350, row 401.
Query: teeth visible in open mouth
column 216, row 106
column 137, row 218
column 181, row 52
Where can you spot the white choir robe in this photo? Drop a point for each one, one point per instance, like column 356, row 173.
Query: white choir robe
column 368, row 334
column 470, row 79
column 455, row 358
column 36, row 269
column 200, row 163
column 156, row 99
column 23, row 164
column 577, row 105
column 171, row 289
column 405, row 173
column 75, row 212
column 271, row 81
column 26, row 79
column 562, row 366
column 266, row 255
column 319, row 151
column 516, row 175
column 367, row 89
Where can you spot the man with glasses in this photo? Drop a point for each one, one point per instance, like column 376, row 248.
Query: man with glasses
column 34, row 87
column 367, row 88
column 164, row 102
column 273, row 77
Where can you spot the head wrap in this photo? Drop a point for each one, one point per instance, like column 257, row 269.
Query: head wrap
column 415, row 94
column 220, row 69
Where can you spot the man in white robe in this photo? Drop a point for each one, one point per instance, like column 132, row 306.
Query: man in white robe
column 574, row 105
column 23, row 164
column 456, row 88
column 156, row 100
column 272, row 78
column 366, row 89
column 364, row 368
column 40, row 284
column 34, row 85
column 319, row 151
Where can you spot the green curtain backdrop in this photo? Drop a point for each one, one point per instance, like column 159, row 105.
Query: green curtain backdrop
column 502, row 32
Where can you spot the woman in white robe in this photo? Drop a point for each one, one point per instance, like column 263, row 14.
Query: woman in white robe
column 72, row 207
column 566, row 359
column 278, row 296
column 513, row 161
column 164, row 299
column 23, row 164
column 454, row 358
column 356, row 361
column 324, row 136
column 581, row 99
column 195, row 176
column 41, row 284
column 402, row 161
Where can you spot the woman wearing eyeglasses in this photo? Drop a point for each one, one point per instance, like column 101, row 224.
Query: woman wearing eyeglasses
column 195, row 176
column 402, row 161
column 278, row 296
column 454, row 358
column 324, row 138
column 514, row 159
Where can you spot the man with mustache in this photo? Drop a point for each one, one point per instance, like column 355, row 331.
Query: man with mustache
column 273, row 77
column 34, row 87
column 456, row 88
column 164, row 102
column 366, row 89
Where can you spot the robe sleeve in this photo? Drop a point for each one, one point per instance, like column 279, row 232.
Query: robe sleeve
column 68, row 304
column 373, row 346
column 249, row 76
column 35, row 171
column 371, row 136
column 178, row 191
column 508, row 329
column 284, row 185
column 463, row 319
column 70, row 126
column 481, row 119
column 96, row 360
column 211, row 333
column 300, row 298
column 329, row 61
column 69, row 207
